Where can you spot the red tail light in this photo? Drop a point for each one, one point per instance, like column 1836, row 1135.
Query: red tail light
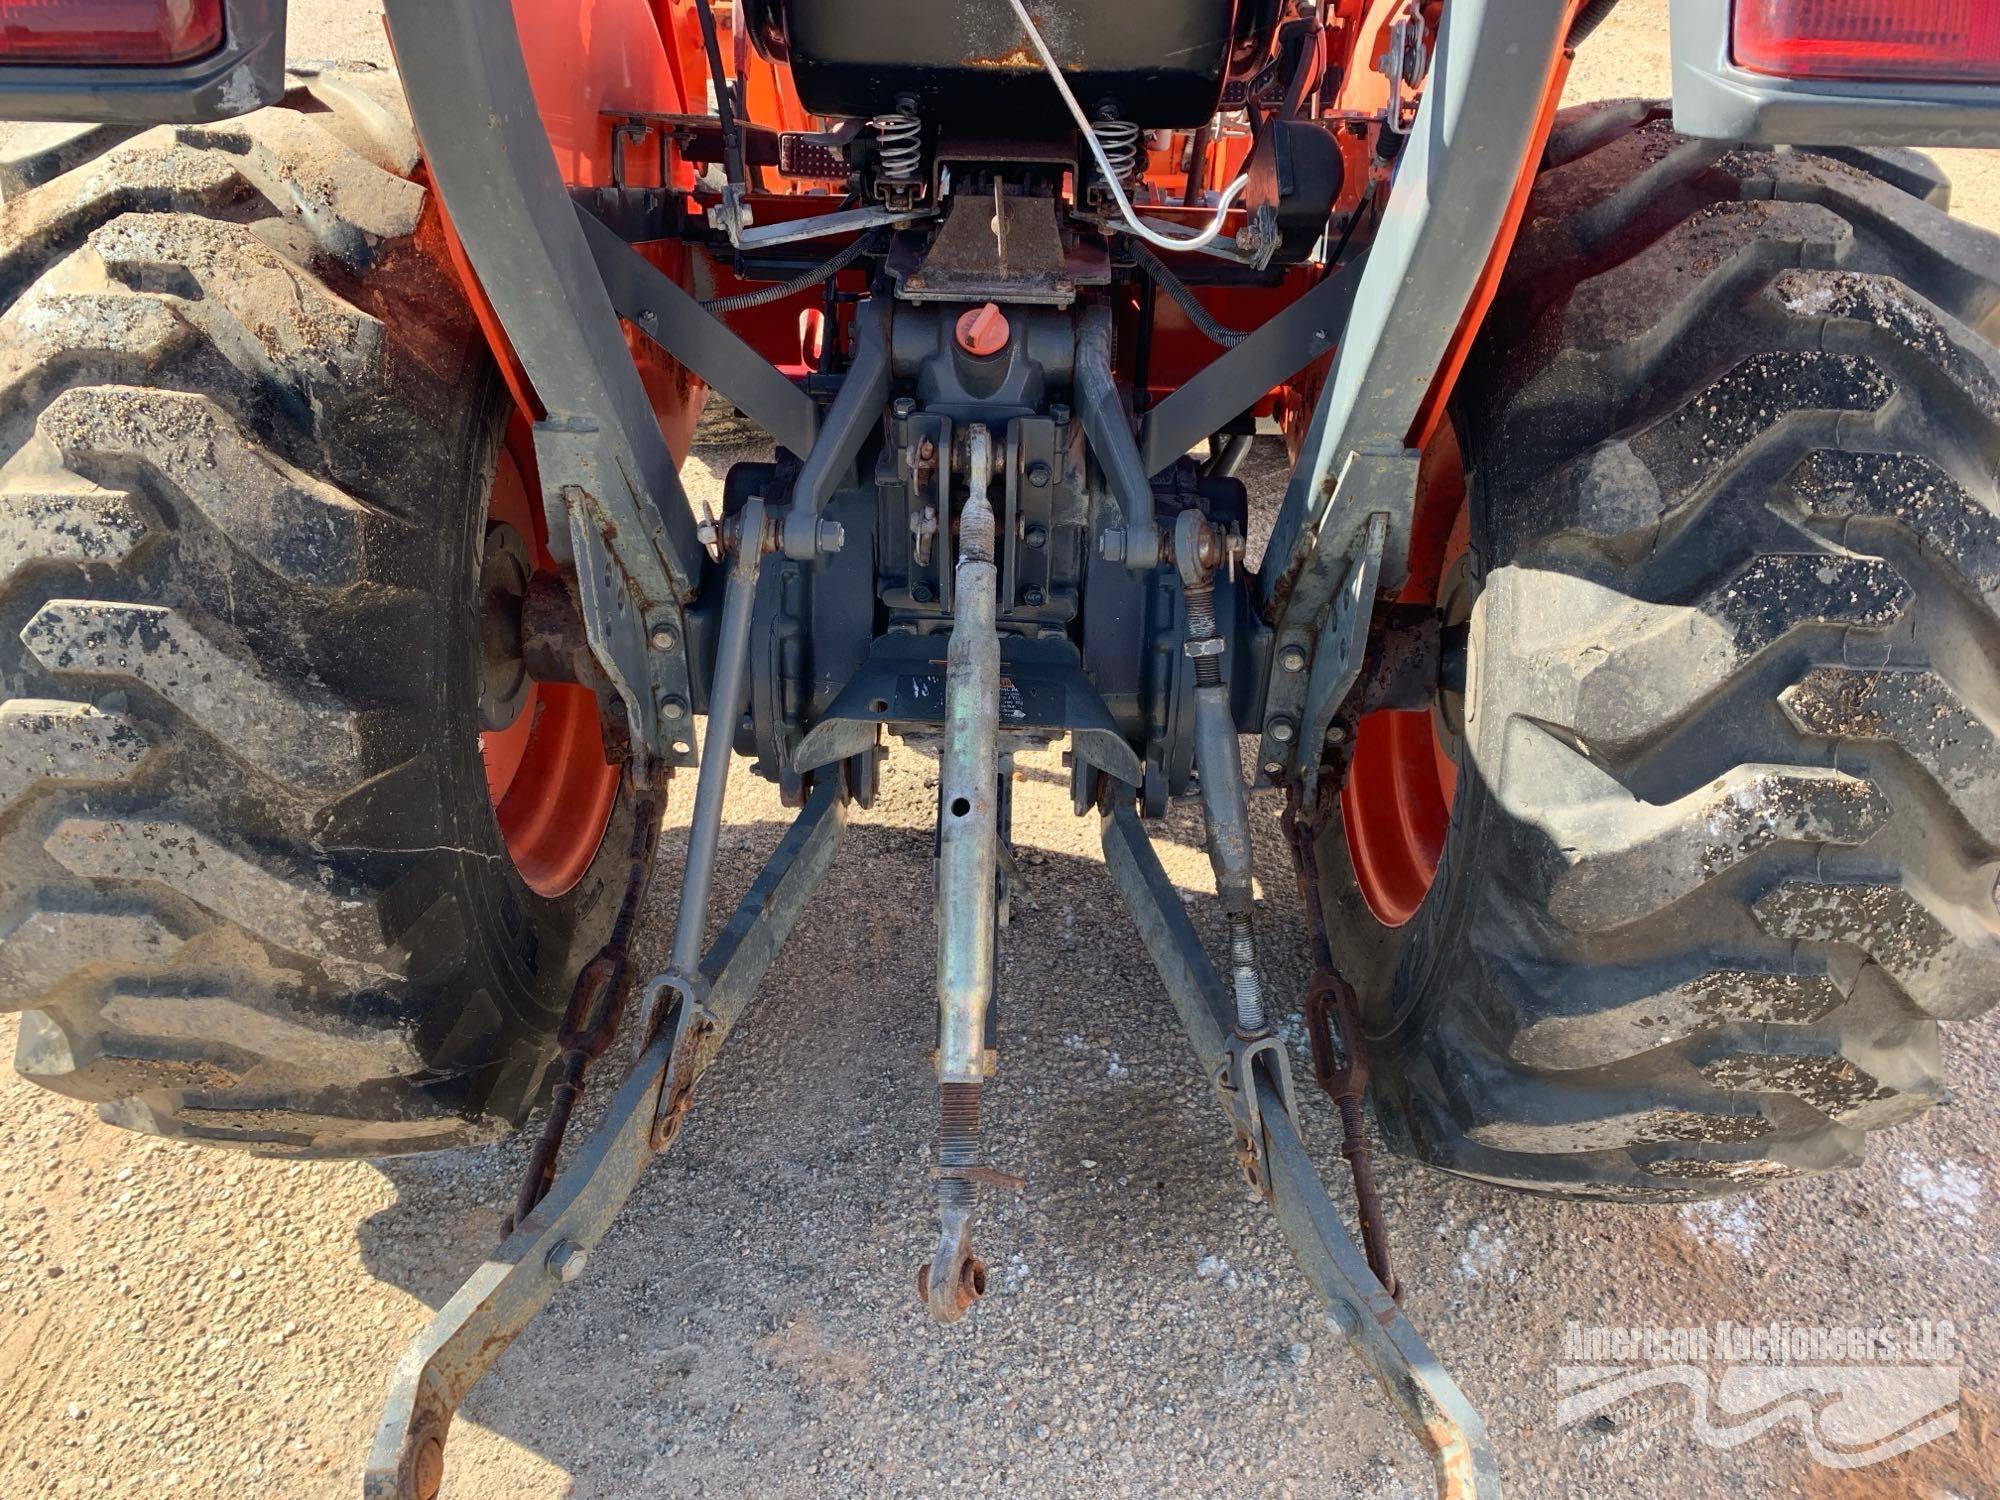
column 1926, row 41
column 108, row 31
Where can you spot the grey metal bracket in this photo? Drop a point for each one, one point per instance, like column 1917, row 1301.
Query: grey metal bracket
column 642, row 650
column 856, row 412
column 554, row 1242
column 652, row 301
column 817, row 227
column 1242, row 1100
column 1273, row 353
column 610, row 487
column 1302, row 701
column 1425, row 1396
column 1446, row 205
column 901, row 686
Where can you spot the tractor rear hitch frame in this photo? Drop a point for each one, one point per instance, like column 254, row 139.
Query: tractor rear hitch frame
column 1154, row 543
column 1095, row 594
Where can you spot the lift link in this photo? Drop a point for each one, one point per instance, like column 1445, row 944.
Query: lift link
column 968, row 870
column 1199, row 550
column 746, row 540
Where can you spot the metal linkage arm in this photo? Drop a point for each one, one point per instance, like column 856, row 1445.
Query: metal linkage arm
column 967, row 869
column 610, row 488
column 1258, row 1104
column 653, row 301
column 551, row 1245
column 856, row 410
column 727, row 691
column 1231, row 383
column 1137, row 542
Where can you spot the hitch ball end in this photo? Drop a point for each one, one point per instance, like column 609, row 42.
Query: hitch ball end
column 966, row 1288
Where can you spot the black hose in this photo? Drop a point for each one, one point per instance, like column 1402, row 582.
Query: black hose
column 1227, row 457
column 848, row 254
column 1588, row 20
column 1197, row 172
column 725, row 111
column 1203, row 320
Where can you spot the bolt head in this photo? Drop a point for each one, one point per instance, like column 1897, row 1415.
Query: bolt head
column 1274, row 768
column 1111, row 546
column 921, row 592
column 664, row 639
column 1032, row 598
column 1293, row 658
column 430, row 1467
column 1038, row 474
column 673, row 708
column 831, row 536
column 1037, row 537
column 1281, row 730
column 903, row 406
column 566, row 1260
column 1335, row 734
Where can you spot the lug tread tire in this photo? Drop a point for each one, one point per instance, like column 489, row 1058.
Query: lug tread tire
column 250, row 892
column 1728, row 825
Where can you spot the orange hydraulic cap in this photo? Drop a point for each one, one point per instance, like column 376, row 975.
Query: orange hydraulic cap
column 983, row 330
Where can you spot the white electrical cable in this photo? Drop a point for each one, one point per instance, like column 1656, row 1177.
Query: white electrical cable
column 1152, row 237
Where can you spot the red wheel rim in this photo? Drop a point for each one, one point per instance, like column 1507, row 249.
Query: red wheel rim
column 1396, row 803
column 551, row 787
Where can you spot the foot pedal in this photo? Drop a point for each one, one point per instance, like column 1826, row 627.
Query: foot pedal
column 802, row 156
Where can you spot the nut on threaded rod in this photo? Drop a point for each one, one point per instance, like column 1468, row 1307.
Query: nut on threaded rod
column 1201, row 632
column 1249, row 986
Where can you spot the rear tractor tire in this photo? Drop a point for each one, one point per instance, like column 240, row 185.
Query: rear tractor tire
column 254, row 888
column 1714, row 837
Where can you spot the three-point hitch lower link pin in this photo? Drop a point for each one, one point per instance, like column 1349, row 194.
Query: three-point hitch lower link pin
column 968, row 866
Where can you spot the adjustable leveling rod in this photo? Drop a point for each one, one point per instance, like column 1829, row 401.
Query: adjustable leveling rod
column 967, row 882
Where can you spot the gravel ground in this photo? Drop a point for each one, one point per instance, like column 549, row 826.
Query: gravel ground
column 181, row 1320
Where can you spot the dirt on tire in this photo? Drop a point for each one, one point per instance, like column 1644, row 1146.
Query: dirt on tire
column 1727, row 821
column 251, row 887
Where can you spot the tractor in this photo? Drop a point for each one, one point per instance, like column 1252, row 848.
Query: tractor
column 1624, row 654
